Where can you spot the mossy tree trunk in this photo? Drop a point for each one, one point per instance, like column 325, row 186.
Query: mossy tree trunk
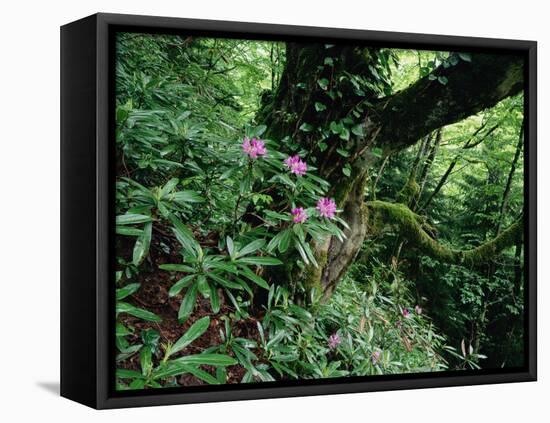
column 334, row 103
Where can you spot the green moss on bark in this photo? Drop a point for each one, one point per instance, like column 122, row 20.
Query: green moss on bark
column 412, row 226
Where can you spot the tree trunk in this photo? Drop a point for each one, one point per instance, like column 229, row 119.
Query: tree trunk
column 317, row 88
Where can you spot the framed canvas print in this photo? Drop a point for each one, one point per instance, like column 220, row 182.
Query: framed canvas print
column 255, row 211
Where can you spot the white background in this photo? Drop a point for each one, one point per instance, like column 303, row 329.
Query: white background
column 29, row 207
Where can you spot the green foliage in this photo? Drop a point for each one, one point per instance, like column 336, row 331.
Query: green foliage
column 213, row 266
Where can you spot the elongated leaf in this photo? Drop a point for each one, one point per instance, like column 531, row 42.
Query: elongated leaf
column 203, row 286
column 168, row 187
column 223, row 282
column 141, row 248
column 188, row 303
column 206, row 359
column 230, row 246
column 286, row 236
column 128, row 231
column 145, row 359
column 184, row 236
column 127, row 374
column 255, row 278
column 201, row 374
column 261, row 261
column 196, row 330
column 214, row 298
column 172, row 369
column 122, row 307
column 251, row 248
column 185, row 197
column 179, row 285
column 177, row 268
column 132, row 219
column 301, row 251
column 127, row 290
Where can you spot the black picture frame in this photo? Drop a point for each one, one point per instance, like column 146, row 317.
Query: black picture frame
column 87, row 311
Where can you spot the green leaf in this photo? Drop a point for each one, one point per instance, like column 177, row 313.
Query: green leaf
column 306, row 127
column 344, row 133
column 201, row 374
column 214, row 298
column 357, row 130
column 127, row 290
column 145, row 359
column 286, row 236
column 261, row 261
column 175, row 368
column 443, row 80
column 188, row 303
column 249, row 274
column 127, row 374
column 251, row 248
column 177, row 268
column 206, row 359
column 328, row 61
column 257, row 131
column 320, row 107
column 141, row 248
column 202, row 286
column 223, row 282
column 467, row 57
column 185, row 236
column 128, row 231
column 131, row 219
column 323, row 83
column 194, row 331
column 179, row 285
column 335, row 127
column 122, row 307
column 346, row 170
column 184, row 197
column 230, row 246
column 169, row 187
column 342, row 152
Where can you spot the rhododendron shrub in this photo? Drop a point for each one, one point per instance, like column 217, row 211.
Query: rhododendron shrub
column 296, row 211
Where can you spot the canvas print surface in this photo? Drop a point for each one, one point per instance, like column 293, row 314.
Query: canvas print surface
column 293, row 211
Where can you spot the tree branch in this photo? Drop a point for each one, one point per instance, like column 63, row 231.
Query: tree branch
column 413, row 228
column 427, row 105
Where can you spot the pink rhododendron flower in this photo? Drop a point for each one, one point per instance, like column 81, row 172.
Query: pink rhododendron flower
column 326, row 207
column 418, row 309
column 296, row 165
column 333, row 341
column 375, row 357
column 254, row 147
column 299, row 215
column 406, row 312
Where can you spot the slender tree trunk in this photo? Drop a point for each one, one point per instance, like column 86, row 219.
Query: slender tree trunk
column 506, row 194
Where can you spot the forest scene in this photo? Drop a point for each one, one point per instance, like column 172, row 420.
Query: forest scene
column 295, row 211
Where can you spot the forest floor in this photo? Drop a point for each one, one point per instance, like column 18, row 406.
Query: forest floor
column 153, row 296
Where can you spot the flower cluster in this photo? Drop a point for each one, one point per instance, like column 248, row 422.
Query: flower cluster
column 299, row 215
column 254, row 147
column 375, row 357
column 406, row 312
column 326, row 207
column 296, row 165
column 333, row 341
